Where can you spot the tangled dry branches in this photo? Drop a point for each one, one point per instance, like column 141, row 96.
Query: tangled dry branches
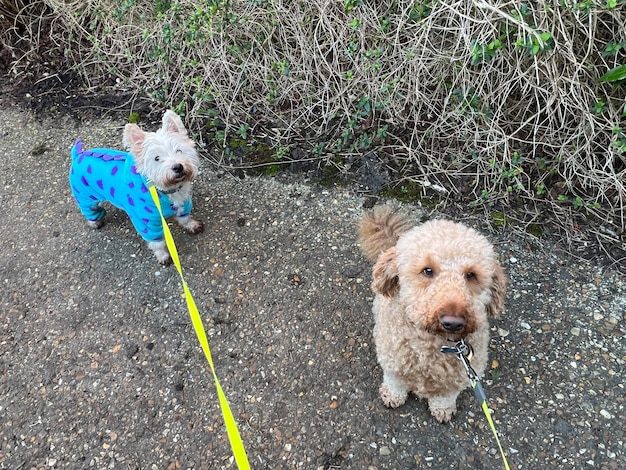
column 498, row 101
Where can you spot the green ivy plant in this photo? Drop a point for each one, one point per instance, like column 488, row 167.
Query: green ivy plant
column 615, row 76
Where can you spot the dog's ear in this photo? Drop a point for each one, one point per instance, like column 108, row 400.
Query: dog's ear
column 498, row 291
column 133, row 139
column 173, row 123
column 385, row 274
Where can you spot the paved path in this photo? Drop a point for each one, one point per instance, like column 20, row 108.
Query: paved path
column 100, row 368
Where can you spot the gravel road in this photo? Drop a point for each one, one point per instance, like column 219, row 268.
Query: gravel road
column 100, row 367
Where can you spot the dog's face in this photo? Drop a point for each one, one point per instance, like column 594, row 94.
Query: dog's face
column 168, row 157
column 445, row 276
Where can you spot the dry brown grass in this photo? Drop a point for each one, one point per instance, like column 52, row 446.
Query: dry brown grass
column 342, row 78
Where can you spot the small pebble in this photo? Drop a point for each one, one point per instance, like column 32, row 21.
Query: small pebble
column 605, row 414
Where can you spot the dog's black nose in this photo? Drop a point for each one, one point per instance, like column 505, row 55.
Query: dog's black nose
column 178, row 169
column 451, row 323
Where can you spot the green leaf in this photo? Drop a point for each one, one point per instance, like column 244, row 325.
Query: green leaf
column 616, row 74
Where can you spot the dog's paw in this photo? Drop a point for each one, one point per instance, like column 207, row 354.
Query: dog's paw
column 389, row 399
column 195, row 226
column 443, row 415
column 160, row 251
column 96, row 223
column 165, row 260
column 191, row 225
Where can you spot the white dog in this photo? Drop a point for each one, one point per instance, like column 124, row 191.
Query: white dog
column 166, row 157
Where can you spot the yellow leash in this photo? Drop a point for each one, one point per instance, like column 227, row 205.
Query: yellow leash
column 236, row 444
column 460, row 349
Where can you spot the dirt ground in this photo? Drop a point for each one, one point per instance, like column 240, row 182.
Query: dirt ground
column 100, row 367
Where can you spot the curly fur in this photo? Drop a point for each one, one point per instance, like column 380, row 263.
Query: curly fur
column 380, row 229
column 434, row 283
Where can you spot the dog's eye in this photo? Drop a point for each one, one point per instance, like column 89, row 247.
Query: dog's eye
column 157, row 158
column 428, row 272
column 470, row 276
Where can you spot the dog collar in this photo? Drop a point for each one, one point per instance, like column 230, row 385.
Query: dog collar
column 171, row 191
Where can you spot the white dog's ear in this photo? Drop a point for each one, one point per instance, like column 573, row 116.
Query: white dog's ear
column 385, row 274
column 133, row 140
column 498, row 291
column 173, row 123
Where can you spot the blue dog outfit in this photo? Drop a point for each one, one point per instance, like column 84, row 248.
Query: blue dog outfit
column 110, row 175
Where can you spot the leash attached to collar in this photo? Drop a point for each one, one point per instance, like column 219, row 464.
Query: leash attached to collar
column 464, row 353
column 236, row 443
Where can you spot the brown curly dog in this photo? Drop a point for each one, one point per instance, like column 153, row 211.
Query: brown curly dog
column 435, row 284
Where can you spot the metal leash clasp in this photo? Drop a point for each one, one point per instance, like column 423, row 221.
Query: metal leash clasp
column 464, row 353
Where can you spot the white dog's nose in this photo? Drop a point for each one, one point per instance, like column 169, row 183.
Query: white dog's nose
column 178, row 169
